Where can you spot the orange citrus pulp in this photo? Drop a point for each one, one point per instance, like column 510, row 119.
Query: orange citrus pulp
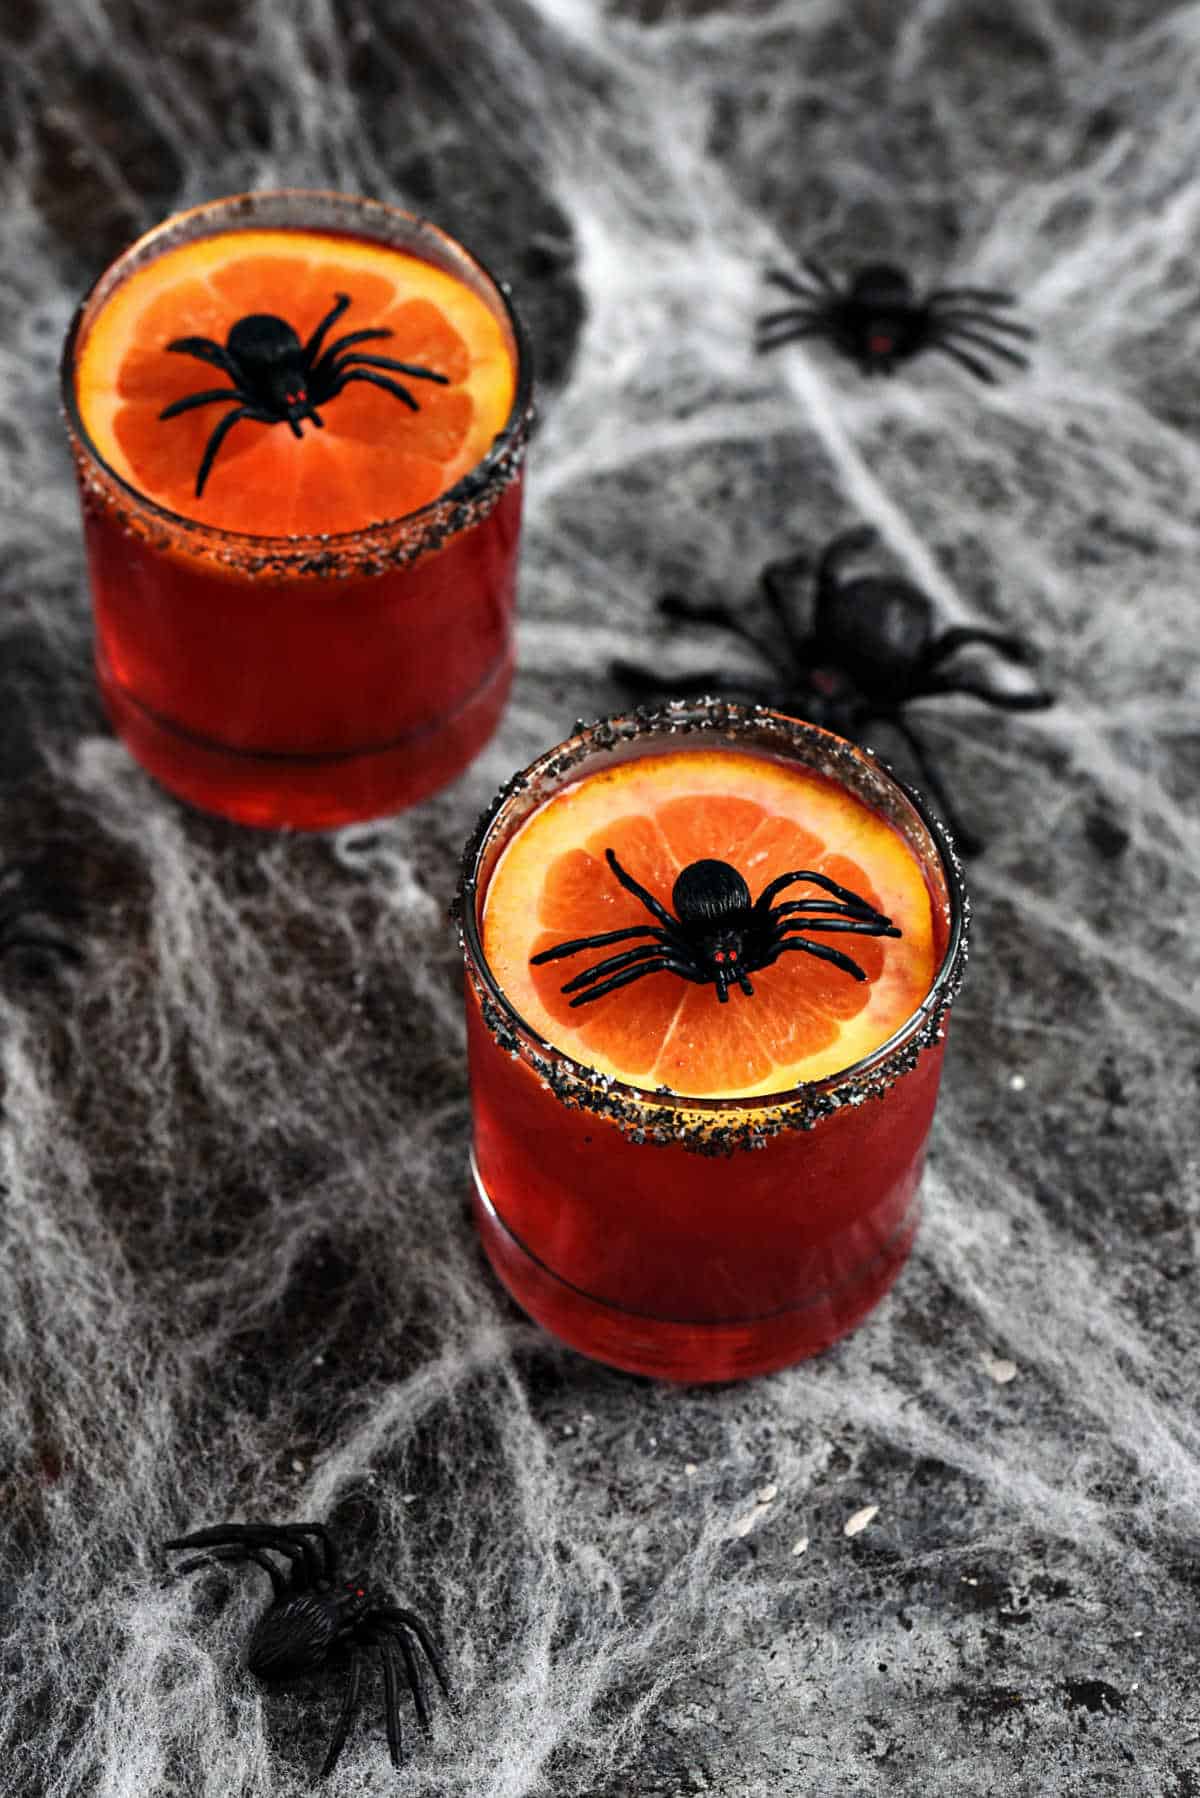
column 807, row 1018
column 374, row 460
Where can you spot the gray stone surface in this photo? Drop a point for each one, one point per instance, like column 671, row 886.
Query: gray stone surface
column 237, row 1272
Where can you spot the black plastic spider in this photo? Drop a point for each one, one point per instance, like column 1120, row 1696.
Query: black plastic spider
column 718, row 934
column 872, row 649
column 278, row 380
column 314, row 1614
column 30, row 891
column 879, row 321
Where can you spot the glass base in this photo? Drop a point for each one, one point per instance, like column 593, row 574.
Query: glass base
column 305, row 792
column 691, row 1352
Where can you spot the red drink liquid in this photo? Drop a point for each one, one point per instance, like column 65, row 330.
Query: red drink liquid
column 702, row 1239
column 305, row 680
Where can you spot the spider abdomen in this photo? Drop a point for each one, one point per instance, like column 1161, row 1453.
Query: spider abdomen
column 294, row 1636
column 710, row 892
column 878, row 630
column 261, row 337
column 879, row 284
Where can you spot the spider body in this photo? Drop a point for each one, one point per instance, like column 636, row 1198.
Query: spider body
column 317, row 1618
column 717, row 935
column 873, row 647
column 294, row 1636
column 876, row 631
column 878, row 320
column 279, row 380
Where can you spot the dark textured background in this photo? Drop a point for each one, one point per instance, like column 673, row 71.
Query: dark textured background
column 237, row 1273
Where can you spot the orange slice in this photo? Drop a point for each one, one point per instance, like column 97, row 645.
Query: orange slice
column 374, row 460
column 806, row 1019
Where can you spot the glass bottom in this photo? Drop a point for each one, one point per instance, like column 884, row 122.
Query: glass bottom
column 305, row 792
column 691, row 1352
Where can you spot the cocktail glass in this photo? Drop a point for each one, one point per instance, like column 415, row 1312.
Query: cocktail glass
column 701, row 1239
column 305, row 681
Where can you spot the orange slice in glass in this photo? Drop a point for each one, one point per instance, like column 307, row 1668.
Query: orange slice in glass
column 374, row 460
column 807, row 1018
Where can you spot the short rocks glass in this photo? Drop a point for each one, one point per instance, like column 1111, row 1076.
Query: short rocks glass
column 675, row 1184
column 298, row 421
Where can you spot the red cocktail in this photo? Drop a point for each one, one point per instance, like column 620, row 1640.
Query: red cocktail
column 676, row 1183
column 299, row 421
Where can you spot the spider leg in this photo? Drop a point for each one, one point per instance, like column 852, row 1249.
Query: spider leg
column 613, row 964
column 977, row 368
column 312, row 347
column 976, row 296
column 964, row 838
column 635, row 887
column 242, row 1553
column 789, row 315
column 662, row 966
column 412, row 1673
column 391, row 1699
column 960, row 334
column 207, row 398
column 405, row 368
column 862, row 917
column 803, row 290
column 640, row 681
column 29, row 939
column 789, row 334
column 959, row 636
column 221, row 1535
column 328, row 1547
column 346, row 1715
column 819, row 272
column 862, row 910
column 593, row 942
column 937, row 684
column 820, row 950
column 206, row 351
column 988, row 319
column 845, row 545
column 773, row 581
column 325, row 369
column 688, row 611
column 282, row 1538
column 854, row 900
column 295, row 1536
column 691, row 680
column 352, row 337
column 394, row 1613
column 880, row 926
column 219, row 435
column 365, row 374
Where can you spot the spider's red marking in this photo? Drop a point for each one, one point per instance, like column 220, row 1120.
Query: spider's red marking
column 881, row 345
column 720, row 955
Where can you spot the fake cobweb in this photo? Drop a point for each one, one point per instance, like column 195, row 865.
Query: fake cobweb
column 238, row 1277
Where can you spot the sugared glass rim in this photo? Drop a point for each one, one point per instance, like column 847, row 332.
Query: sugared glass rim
column 384, row 543
column 712, row 1125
